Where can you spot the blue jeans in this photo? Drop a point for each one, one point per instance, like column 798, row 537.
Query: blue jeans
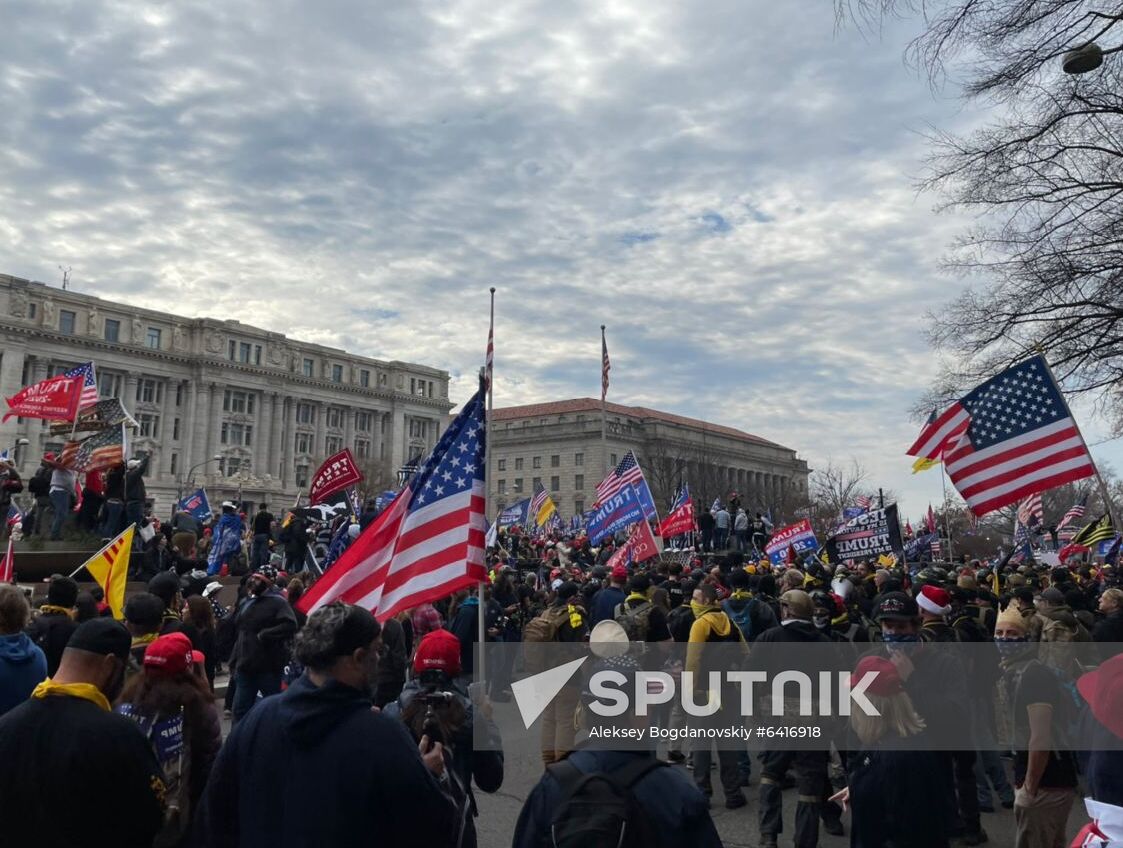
column 60, row 507
column 721, row 536
column 260, row 553
column 248, row 684
column 113, row 511
column 134, row 513
column 989, row 770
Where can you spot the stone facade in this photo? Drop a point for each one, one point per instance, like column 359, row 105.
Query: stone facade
column 270, row 406
column 560, row 443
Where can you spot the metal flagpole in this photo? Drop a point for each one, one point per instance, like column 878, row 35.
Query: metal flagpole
column 603, row 404
column 947, row 521
column 489, row 377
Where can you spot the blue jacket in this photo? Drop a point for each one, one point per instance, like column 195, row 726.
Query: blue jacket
column 23, row 666
column 604, row 604
column 675, row 807
column 357, row 776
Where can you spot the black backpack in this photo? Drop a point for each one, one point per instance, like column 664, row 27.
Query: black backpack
column 599, row 809
column 40, row 483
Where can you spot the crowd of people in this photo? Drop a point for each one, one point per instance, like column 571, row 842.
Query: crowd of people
column 347, row 731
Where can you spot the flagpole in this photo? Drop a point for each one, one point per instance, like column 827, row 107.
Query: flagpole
column 947, row 521
column 489, row 375
column 1099, row 477
column 603, row 407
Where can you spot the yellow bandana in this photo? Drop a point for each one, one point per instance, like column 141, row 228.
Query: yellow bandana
column 85, row 691
column 48, row 609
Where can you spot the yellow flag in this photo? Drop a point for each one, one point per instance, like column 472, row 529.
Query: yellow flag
column 545, row 511
column 110, row 568
column 886, row 561
column 923, row 464
column 994, row 585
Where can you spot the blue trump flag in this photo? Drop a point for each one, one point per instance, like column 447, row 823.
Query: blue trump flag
column 516, row 513
column 197, row 504
column 619, row 511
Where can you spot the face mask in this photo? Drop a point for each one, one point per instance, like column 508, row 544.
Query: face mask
column 822, row 621
column 900, row 638
column 699, row 609
column 1010, row 647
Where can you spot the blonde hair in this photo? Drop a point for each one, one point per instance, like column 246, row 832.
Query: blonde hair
column 898, row 718
column 1115, row 594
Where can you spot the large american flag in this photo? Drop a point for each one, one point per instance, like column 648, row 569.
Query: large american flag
column 1009, row 438
column 95, row 453
column 89, row 383
column 863, row 501
column 489, row 362
column 605, row 365
column 627, row 473
column 430, row 542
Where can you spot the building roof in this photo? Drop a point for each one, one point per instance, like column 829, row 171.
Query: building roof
column 564, row 407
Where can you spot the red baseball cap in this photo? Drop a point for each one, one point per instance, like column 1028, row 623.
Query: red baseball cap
column 888, row 680
column 170, row 654
column 438, row 650
column 1102, row 688
column 619, row 572
column 198, row 658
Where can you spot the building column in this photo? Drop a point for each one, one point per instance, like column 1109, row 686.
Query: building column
column 214, row 427
column 11, row 381
column 187, row 429
column 276, row 432
column 263, row 439
column 349, row 427
column 167, row 413
column 39, row 371
column 397, row 439
column 376, row 436
column 318, row 432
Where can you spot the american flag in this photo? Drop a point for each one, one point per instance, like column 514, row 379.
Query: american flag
column 1066, row 528
column 627, row 473
column 605, row 365
column 489, row 362
column 1007, row 439
column 1031, row 511
column 681, row 497
column 930, row 519
column 8, row 564
column 936, row 549
column 542, row 506
column 430, row 541
column 94, row 453
column 863, row 501
column 14, row 515
column 89, row 383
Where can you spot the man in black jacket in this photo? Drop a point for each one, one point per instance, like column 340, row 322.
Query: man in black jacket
column 54, row 625
column 135, row 493
column 113, row 513
column 262, row 533
column 265, row 623
column 360, row 779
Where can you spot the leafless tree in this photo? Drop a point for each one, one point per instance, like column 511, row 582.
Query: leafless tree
column 1047, row 172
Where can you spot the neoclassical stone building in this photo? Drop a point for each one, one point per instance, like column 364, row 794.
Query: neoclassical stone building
column 271, row 407
column 559, row 445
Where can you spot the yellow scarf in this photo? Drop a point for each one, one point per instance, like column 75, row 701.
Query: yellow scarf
column 146, row 639
column 48, row 609
column 85, row 691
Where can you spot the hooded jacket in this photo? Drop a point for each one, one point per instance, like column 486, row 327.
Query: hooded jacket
column 358, row 775
column 23, row 666
column 265, row 623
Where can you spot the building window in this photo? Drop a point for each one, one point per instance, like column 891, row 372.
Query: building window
column 335, row 416
column 175, row 429
column 232, row 351
column 362, row 449
column 237, row 402
column 501, row 465
column 418, row 428
column 535, row 483
column 555, row 461
column 579, row 482
column 32, row 310
column 305, row 413
column 337, row 373
column 112, row 330
column 518, row 484
column 578, row 507
column 236, row 434
column 555, row 483
column 66, row 320
column 149, row 391
column 364, row 379
column 173, row 467
column 333, row 445
column 518, row 463
column 149, row 424
column 308, row 368
column 301, row 476
column 579, row 459
column 257, row 354
column 108, row 385
column 536, row 462
column 612, row 460
column 179, row 394
column 502, row 487
column 304, row 443
column 152, row 340
column 245, row 351
column 364, row 421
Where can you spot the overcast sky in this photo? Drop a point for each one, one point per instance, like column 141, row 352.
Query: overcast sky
column 727, row 185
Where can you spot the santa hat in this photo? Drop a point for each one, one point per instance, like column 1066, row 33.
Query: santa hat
column 934, row 600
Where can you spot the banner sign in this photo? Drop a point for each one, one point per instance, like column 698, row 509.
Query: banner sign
column 868, row 536
column 641, row 546
column 680, row 521
column 197, row 504
column 102, row 415
column 799, row 536
column 55, row 397
column 614, row 514
column 515, row 514
column 337, row 472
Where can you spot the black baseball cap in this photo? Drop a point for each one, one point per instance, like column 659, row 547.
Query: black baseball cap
column 895, row 605
column 102, row 636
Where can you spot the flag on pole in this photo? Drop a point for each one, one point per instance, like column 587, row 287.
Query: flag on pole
column 930, row 519
column 94, row 453
column 936, row 549
column 1031, row 511
column 1098, row 531
column 8, row 565
column 627, row 473
column 430, row 542
column 110, row 568
column 14, row 516
column 542, row 506
column 1008, row 438
column 681, row 517
column 89, row 395
column 1065, row 527
column 605, row 366
column 489, row 362
column 52, row 398
column 923, row 464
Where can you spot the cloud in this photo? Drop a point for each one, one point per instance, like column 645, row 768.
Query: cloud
column 728, row 187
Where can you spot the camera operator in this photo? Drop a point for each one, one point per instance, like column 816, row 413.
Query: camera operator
column 432, row 705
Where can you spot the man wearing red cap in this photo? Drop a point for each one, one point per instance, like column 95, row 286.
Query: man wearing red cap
column 605, row 601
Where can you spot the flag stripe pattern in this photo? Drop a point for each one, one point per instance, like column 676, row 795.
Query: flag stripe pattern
column 605, row 366
column 1099, row 530
column 1015, row 437
column 1075, row 512
column 430, row 541
column 626, row 473
column 99, row 451
column 490, row 360
column 863, row 501
column 89, row 384
column 1031, row 511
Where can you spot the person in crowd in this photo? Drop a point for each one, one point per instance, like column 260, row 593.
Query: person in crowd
column 656, row 806
column 61, row 494
column 265, row 623
column 174, row 709
column 135, row 492
column 433, row 698
column 52, row 628
column 166, row 586
column 751, row 615
column 706, row 524
column 605, row 601
column 934, row 603
column 1108, row 631
column 294, row 536
column 893, row 783
column 741, row 530
column 197, row 612
column 1044, row 776
column 1102, row 690
column 225, row 550
column 425, row 619
column 92, row 501
column 722, row 524
column 357, row 774
column 69, row 759
column 293, row 593
column 392, row 663
column 85, row 607
column 23, row 665
column 262, row 535
column 144, row 615
column 113, row 514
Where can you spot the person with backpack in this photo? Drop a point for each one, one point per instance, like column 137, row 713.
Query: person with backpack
column 934, row 603
column 39, row 486
column 52, row 628
column 751, row 616
column 563, row 621
column 713, row 627
column 1060, row 629
column 175, row 710
column 606, row 600
column 615, row 799
column 641, row 619
column 1045, row 777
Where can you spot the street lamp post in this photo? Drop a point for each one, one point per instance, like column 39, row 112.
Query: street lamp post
column 13, row 451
